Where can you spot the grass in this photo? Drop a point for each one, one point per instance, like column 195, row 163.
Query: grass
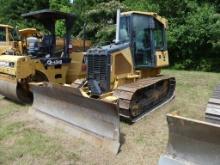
column 193, row 91
column 8, row 108
column 26, row 145
column 24, row 140
column 23, row 143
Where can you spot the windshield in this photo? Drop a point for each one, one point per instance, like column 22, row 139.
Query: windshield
column 124, row 29
column 142, row 32
column 13, row 35
column 142, row 27
column 2, row 34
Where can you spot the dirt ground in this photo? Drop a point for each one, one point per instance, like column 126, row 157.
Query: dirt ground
column 25, row 140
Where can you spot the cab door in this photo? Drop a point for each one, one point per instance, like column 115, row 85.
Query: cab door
column 142, row 41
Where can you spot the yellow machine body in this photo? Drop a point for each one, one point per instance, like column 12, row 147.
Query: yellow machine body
column 41, row 57
column 24, row 69
column 7, row 42
column 120, row 81
column 134, row 78
column 119, row 73
column 11, row 45
column 123, row 71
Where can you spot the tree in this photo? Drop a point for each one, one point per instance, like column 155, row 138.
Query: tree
column 192, row 41
column 193, row 34
column 142, row 5
column 101, row 19
column 11, row 10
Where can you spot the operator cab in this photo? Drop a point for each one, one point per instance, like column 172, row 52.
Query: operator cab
column 8, row 34
column 9, row 40
column 146, row 33
column 46, row 49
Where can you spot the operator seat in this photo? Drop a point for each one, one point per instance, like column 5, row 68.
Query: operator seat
column 39, row 49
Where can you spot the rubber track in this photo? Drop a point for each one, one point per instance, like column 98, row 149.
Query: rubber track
column 126, row 92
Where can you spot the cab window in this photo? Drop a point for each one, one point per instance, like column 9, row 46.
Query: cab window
column 2, row 34
column 142, row 32
column 10, row 35
column 159, row 36
column 124, row 29
column 13, row 35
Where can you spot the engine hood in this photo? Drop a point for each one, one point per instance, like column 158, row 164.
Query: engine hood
column 108, row 48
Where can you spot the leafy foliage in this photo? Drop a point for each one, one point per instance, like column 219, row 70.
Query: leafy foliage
column 11, row 10
column 194, row 25
column 100, row 20
column 195, row 38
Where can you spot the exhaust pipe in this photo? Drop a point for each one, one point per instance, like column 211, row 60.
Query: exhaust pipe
column 117, row 26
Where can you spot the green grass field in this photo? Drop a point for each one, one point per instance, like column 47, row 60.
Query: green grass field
column 25, row 140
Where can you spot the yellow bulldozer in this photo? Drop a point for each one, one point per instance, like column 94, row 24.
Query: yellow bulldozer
column 7, row 37
column 50, row 58
column 12, row 41
column 122, row 78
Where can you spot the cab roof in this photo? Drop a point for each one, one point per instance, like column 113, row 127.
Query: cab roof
column 155, row 15
column 4, row 25
column 28, row 31
column 47, row 15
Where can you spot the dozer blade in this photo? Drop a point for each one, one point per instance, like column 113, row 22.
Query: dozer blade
column 191, row 142
column 95, row 121
column 213, row 106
